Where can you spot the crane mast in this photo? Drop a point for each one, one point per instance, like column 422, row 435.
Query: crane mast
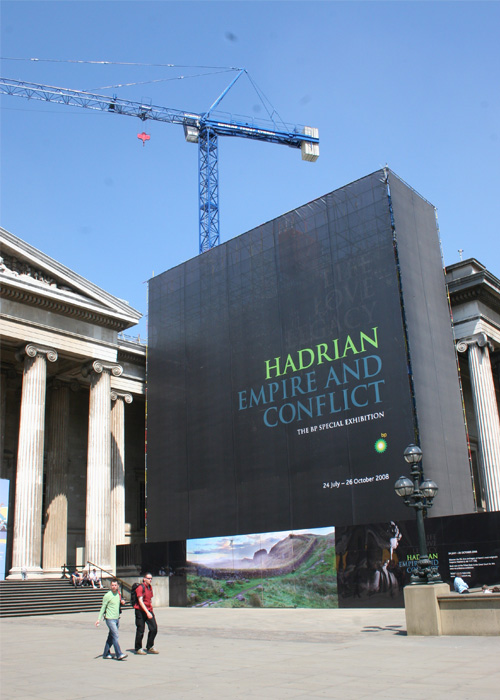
column 203, row 129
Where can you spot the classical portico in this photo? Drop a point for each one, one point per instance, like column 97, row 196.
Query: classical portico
column 475, row 300
column 69, row 378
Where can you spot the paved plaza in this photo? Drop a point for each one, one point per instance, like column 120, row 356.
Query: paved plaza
column 209, row 654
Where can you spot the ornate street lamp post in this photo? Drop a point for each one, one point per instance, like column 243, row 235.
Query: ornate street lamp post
column 419, row 494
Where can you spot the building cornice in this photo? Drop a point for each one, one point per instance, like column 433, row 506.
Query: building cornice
column 135, row 358
column 480, row 286
column 65, row 308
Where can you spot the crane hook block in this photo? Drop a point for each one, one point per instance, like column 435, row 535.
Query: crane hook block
column 144, row 137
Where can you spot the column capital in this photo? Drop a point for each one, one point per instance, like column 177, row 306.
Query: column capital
column 121, row 395
column 479, row 339
column 32, row 350
column 98, row 366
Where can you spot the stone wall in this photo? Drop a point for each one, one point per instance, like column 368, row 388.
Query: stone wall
column 431, row 610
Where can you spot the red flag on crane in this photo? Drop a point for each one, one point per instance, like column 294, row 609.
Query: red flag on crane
column 144, row 137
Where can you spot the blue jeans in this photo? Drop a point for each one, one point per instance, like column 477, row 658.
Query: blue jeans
column 112, row 639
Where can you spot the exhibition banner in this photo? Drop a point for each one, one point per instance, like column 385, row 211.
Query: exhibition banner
column 290, row 367
column 355, row 566
column 374, row 562
column 278, row 388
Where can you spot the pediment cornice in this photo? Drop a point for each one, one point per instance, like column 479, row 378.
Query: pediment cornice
column 29, row 276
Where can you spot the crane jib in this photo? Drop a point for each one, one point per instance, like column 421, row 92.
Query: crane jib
column 198, row 128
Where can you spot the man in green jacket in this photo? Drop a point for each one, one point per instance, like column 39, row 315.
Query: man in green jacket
column 110, row 610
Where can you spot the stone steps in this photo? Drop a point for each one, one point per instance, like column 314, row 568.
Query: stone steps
column 46, row 597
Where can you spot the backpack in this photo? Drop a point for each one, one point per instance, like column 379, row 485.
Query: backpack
column 133, row 594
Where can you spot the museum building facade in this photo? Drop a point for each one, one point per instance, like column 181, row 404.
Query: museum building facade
column 475, row 303
column 73, row 408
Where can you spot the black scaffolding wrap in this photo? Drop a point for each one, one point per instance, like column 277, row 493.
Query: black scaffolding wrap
column 281, row 393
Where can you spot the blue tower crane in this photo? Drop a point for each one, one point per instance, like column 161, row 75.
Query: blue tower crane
column 203, row 129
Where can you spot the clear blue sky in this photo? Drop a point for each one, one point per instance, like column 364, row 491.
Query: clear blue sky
column 411, row 84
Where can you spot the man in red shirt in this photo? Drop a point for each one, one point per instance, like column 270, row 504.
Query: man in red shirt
column 144, row 615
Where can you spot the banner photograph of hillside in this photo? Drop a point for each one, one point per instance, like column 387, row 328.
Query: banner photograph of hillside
column 273, row 570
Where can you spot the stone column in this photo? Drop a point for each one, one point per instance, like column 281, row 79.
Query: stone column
column 27, row 541
column 55, row 534
column 487, row 417
column 98, row 520
column 118, row 466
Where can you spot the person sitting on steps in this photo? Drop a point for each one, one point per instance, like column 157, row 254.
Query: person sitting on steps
column 76, row 578
column 94, row 579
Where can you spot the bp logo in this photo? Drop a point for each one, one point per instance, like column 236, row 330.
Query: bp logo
column 380, row 446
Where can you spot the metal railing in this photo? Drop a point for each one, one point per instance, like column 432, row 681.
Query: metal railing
column 67, row 570
column 110, row 574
